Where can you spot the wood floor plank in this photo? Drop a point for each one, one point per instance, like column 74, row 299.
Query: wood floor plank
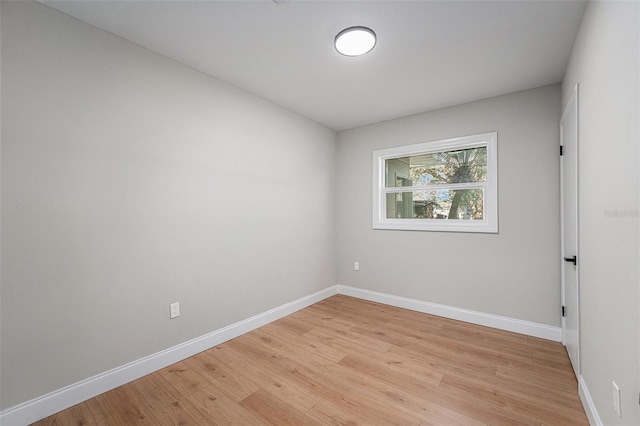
column 475, row 331
column 218, row 409
column 297, row 346
column 234, row 385
column 184, row 378
column 331, row 414
column 348, row 317
column 257, row 364
column 168, row 407
column 123, row 406
column 381, row 372
column 443, row 360
column 399, row 364
column 85, row 414
column 537, row 377
column 539, row 393
column 406, row 399
column 322, row 380
column 330, row 383
column 428, row 404
column 551, row 359
column 442, row 342
column 546, row 344
column 432, row 405
column 294, row 325
column 458, row 331
column 508, row 398
column 272, row 410
column 349, row 341
column 315, row 318
column 345, row 361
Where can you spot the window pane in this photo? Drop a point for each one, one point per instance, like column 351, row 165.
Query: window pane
column 397, row 172
column 463, row 204
column 458, row 166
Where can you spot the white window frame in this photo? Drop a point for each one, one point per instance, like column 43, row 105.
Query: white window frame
column 489, row 223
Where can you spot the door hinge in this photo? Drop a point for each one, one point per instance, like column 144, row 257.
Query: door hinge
column 564, row 313
column 561, row 150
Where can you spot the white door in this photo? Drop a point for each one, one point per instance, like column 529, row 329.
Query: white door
column 571, row 260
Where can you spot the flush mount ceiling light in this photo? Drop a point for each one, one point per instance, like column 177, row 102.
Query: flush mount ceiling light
column 355, row 41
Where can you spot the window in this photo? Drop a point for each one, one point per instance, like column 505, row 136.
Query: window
column 449, row 185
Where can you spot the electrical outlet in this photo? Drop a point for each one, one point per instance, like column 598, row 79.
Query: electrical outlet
column 356, row 266
column 616, row 398
column 174, row 310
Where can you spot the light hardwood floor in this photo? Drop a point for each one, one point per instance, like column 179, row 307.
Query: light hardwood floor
column 349, row 361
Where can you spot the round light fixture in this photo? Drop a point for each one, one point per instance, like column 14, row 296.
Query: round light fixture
column 355, row 41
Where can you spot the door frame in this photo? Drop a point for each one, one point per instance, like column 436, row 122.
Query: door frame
column 573, row 100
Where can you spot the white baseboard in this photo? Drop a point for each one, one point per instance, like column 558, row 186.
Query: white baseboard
column 503, row 323
column 66, row 397
column 588, row 404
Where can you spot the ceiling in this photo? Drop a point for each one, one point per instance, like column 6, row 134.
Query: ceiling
column 429, row 55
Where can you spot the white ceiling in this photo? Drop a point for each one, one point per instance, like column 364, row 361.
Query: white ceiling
column 430, row 54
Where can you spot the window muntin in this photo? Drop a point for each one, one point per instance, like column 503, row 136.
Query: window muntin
column 448, row 185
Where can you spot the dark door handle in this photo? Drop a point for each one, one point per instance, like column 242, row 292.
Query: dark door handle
column 571, row 259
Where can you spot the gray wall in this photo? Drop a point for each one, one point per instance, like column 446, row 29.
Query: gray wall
column 605, row 64
column 130, row 181
column 515, row 273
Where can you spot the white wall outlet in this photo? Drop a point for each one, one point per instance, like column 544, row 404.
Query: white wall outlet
column 616, row 398
column 356, row 266
column 174, row 310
